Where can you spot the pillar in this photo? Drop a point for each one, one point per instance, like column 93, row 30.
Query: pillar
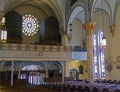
column 89, row 27
column 64, row 36
column 18, row 73
column 46, row 73
column 12, row 69
column 63, row 71
column 67, row 68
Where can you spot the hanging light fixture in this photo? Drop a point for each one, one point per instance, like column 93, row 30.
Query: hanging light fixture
column 3, row 31
column 104, row 42
column 103, row 38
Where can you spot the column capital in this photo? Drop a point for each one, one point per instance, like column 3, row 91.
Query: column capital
column 112, row 30
column 89, row 27
column 62, row 31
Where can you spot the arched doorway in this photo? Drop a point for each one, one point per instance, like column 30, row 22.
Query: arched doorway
column 35, row 74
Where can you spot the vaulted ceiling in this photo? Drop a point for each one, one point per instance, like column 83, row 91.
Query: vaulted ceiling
column 49, row 7
column 58, row 7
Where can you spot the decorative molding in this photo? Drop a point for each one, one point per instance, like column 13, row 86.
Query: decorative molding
column 39, row 52
column 34, row 55
column 30, row 47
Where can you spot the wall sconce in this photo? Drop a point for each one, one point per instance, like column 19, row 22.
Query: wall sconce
column 3, row 31
column 104, row 42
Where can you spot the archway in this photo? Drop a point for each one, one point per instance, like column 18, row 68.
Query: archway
column 34, row 73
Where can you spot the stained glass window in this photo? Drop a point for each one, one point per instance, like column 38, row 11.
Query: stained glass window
column 95, row 63
column 29, row 25
column 98, row 56
column 101, row 55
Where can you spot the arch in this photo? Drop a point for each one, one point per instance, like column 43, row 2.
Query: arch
column 55, row 69
column 14, row 27
column 77, row 10
column 77, row 33
column 52, row 36
column 105, row 9
column 33, row 72
column 5, row 72
column 32, row 63
column 6, row 66
column 57, row 64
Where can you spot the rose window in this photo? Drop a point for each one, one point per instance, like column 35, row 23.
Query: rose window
column 30, row 25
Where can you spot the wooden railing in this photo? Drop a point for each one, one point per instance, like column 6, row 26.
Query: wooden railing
column 53, row 80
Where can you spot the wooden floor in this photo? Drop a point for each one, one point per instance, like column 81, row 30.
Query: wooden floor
column 24, row 88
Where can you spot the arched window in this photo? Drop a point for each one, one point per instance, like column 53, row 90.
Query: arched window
column 29, row 25
column 95, row 58
column 98, row 55
column 101, row 55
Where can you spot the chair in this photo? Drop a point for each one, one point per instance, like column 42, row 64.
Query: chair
column 64, row 87
column 118, row 82
column 68, row 90
column 114, row 81
column 73, row 88
column 86, row 89
column 79, row 88
column 117, row 90
column 95, row 89
column 105, row 90
column 68, row 86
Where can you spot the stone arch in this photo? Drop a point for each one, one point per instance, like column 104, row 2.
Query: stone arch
column 55, row 69
column 52, row 35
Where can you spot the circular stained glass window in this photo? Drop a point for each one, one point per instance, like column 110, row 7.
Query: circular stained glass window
column 29, row 25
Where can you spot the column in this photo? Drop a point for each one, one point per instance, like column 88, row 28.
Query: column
column 18, row 73
column 12, row 69
column 64, row 36
column 63, row 71
column 89, row 27
column 67, row 68
column 46, row 73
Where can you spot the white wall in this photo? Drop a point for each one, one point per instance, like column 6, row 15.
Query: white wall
column 113, row 47
column 76, row 33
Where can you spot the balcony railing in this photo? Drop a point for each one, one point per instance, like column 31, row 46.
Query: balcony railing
column 29, row 47
column 40, row 52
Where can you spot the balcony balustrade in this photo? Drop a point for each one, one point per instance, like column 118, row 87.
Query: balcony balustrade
column 39, row 52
